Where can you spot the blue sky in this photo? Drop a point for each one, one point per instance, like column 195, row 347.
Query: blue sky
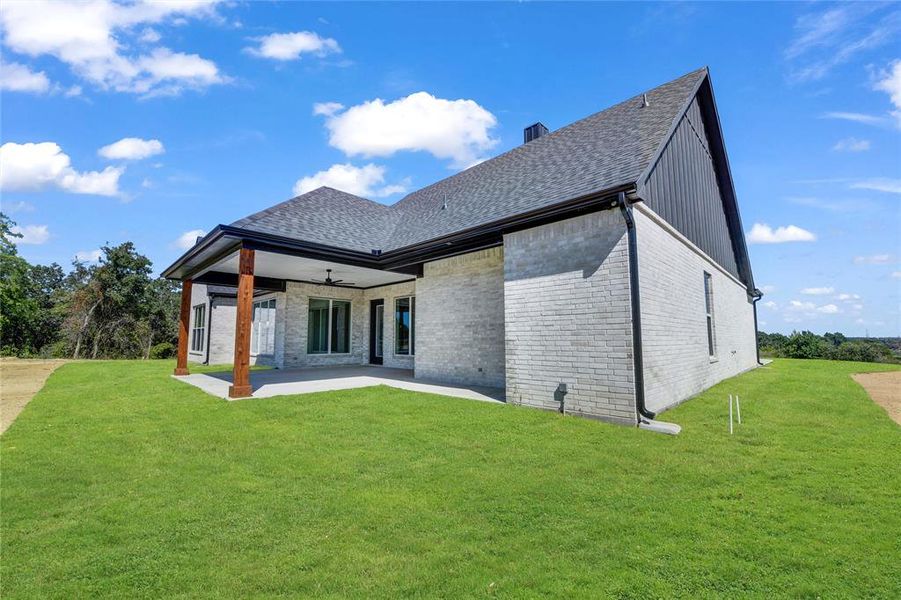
column 151, row 122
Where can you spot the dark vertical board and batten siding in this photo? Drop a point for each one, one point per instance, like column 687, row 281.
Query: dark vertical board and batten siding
column 683, row 188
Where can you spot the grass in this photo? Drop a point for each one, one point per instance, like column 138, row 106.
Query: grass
column 120, row 481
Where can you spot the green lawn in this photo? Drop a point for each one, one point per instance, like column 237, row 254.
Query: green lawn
column 119, row 481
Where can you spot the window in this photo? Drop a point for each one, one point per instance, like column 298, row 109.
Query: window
column 262, row 333
column 708, row 303
column 405, row 325
column 197, row 332
column 328, row 328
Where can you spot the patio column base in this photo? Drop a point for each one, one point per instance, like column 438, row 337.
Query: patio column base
column 240, row 391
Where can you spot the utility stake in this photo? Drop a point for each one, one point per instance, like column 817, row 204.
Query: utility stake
column 730, row 414
column 738, row 409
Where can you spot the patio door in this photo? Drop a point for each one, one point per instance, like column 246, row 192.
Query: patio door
column 376, row 331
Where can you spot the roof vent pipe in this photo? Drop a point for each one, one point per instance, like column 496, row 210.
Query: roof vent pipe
column 644, row 101
column 533, row 132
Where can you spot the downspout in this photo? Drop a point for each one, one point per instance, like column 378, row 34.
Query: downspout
column 756, row 295
column 209, row 329
column 645, row 415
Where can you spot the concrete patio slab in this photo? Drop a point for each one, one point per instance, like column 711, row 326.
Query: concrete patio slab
column 281, row 382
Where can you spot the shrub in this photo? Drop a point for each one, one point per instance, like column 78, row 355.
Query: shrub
column 162, row 350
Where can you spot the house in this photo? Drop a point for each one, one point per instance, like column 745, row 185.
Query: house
column 601, row 266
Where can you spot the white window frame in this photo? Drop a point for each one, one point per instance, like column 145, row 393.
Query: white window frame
column 328, row 341
column 709, row 321
column 198, row 328
column 411, row 298
column 253, row 325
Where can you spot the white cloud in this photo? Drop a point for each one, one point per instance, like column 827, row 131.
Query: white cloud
column 150, row 36
column 879, row 184
column 92, row 38
column 88, row 256
column 817, row 291
column 32, row 167
column 874, row 259
column 131, row 149
column 896, row 274
column 809, row 308
column 851, row 144
column 847, row 297
column 15, row 77
column 856, row 117
column 770, row 305
column 761, row 233
column 828, row 38
column 290, row 46
column 768, row 289
column 890, row 83
column 31, row 234
column 458, row 130
column 367, row 181
column 187, row 240
column 326, row 108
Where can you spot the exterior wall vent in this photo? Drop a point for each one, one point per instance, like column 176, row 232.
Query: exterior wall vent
column 533, row 132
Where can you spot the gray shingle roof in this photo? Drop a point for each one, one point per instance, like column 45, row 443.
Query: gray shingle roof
column 606, row 150
column 326, row 216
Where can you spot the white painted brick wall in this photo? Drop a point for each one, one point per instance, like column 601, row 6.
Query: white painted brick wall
column 389, row 293
column 568, row 317
column 296, row 322
column 460, row 319
column 222, row 333
column 674, row 327
column 220, row 315
column 198, row 296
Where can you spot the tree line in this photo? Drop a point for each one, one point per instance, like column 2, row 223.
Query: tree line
column 113, row 308
column 832, row 346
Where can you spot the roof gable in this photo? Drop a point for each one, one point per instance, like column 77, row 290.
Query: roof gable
column 689, row 184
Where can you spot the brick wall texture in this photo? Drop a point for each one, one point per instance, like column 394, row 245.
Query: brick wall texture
column 568, row 317
column 677, row 364
column 460, row 319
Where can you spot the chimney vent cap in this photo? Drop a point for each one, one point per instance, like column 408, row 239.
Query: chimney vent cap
column 533, row 132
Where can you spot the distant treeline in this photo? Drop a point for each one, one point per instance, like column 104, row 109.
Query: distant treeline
column 113, row 308
column 832, row 346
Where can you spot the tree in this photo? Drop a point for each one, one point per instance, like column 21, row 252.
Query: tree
column 804, row 345
column 18, row 308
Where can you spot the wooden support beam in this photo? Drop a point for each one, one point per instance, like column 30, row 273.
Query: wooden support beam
column 184, row 321
column 240, row 387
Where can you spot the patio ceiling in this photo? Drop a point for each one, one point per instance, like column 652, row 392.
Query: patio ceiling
column 296, row 268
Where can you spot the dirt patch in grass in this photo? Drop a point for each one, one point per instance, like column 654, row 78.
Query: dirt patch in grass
column 884, row 389
column 20, row 380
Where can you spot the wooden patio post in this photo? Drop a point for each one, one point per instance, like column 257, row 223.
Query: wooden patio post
column 184, row 321
column 240, row 387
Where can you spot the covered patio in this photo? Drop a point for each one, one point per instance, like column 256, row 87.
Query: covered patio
column 254, row 262
column 280, row 382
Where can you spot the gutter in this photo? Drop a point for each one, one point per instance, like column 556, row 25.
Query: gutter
column 644, row 415
column 756, row 295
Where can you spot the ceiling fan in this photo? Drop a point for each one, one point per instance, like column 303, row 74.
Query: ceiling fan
column 330, row 281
